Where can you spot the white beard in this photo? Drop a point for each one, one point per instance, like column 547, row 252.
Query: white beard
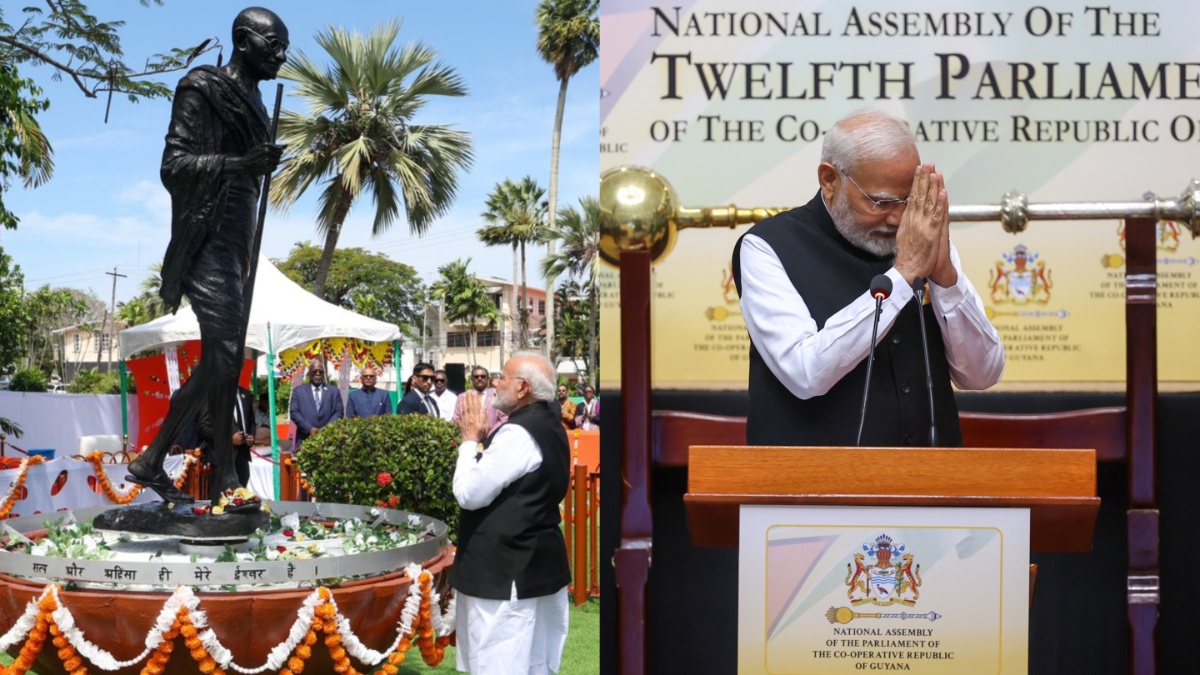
column 860, row 235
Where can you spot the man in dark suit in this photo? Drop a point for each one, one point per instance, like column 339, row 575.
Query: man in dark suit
column 243, row 434
column 370, row 400
column 314, row 405
column 418, row 401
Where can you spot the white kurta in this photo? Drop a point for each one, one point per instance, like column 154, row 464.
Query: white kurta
column 514, row 636
column 809, row 361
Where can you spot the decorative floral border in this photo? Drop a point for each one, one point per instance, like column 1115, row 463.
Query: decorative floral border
column 421, row 620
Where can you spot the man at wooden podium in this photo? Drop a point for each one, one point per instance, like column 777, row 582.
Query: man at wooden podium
column 804, row 278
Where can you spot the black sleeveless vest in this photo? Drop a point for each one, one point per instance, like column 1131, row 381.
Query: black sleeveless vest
column 829, row 273
column 516, row 538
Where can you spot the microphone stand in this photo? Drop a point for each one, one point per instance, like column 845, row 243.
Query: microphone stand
column 881, row 288
column 919, row 290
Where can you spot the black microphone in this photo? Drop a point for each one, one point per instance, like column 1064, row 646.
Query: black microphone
column 919, row 290
column 881, row 288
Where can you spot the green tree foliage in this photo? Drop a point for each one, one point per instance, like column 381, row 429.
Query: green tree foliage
column 134, row 311
column 578, row 231
column 92, row 381
column 67, row 38
column 13, row 314
column 30, row 379
column 368, row 283
column 575, row 312
column 48, row 309
column 515, row 215
column 24, row 150
column 464, row 299
column 346, row 461
column 150, row 298
column 359, row 136
column 568, row 39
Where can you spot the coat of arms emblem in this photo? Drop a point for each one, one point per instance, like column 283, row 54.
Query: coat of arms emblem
column 1027, row 280
column 893, row 577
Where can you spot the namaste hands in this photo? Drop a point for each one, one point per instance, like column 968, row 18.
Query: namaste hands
column 923, row 240
column 472, row 418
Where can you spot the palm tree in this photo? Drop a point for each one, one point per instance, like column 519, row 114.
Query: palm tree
column 23, row 139
column 569, row 39
column 579, row 232
column 359, row 135
column 464, row 298
column 134, row 311
column 151, row 285
column 514, row 213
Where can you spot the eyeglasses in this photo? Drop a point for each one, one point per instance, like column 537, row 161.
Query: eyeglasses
column 480, row 376
column 274, row 44
column 368, row 377
column 316, row 371
column 423, row 378
column 440, row 380
column 877, row 205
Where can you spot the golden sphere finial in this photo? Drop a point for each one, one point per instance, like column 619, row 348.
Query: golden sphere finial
column 637, row 212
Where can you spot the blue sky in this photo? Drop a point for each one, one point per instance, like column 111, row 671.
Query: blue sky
column 105, row 206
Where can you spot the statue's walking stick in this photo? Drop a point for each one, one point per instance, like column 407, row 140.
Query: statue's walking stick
column 248, row 288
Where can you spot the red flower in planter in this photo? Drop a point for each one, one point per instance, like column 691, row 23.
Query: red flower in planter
column 384, row 479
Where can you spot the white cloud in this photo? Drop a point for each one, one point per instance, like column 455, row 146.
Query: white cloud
column 151, row 196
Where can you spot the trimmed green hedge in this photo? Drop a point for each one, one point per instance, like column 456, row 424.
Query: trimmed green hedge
column 401, row 461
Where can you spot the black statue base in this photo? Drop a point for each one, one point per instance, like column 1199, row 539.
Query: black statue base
column 155, row 518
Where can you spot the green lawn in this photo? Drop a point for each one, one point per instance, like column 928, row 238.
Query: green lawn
column 581, row 656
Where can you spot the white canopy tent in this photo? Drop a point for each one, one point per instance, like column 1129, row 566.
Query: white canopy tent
column 283, row 315
column 295, row 316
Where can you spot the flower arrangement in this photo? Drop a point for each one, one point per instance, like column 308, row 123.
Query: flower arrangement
column 421, row 621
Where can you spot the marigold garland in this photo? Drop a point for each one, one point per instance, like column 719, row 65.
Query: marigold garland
column 304, row 484
column 97, row 460
column 42, row 618
column 14, row 493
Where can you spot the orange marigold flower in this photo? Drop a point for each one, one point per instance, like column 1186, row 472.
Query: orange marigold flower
column 338, row 653
column 326, row 611
column 310, row 638
column 199, row 653
column 208, row 665
column 304, row 651
column 332, row 639
column 152, row 669
column 66, row 653
column 188, row 630
column 167, row 646
column 341, row 667
column 73, row 664
column 296, row 665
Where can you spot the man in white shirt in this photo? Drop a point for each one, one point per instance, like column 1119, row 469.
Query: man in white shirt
column 803, row 278
column 445, row 398
column 510, row 570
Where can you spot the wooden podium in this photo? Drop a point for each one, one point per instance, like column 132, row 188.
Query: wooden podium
column 1057, row 486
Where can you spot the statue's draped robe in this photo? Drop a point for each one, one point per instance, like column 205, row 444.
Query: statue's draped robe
column 212, row 232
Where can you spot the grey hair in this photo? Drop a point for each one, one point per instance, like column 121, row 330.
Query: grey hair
column 866, row 135
column 537, row 371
